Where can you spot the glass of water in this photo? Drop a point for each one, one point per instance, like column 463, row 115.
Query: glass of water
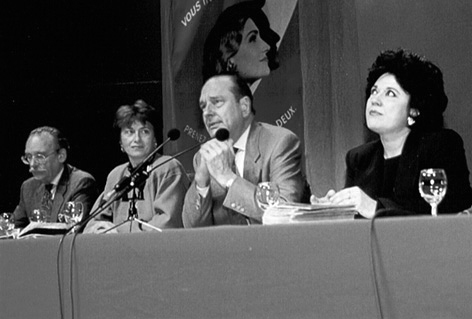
column 73, row 212
column 267, row 195
column 433, row 186
column 38, row 216
column 7, row 224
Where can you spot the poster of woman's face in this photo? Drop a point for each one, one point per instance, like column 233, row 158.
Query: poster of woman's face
column 241, row 42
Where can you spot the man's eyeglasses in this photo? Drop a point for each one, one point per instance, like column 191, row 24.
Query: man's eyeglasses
column 27, row 159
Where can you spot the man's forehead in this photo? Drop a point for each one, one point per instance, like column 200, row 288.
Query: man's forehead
column 44, row 140
column 216, row 86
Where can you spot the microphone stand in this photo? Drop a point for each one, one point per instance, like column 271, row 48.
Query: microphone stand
column 137, row 194
column 132, row 215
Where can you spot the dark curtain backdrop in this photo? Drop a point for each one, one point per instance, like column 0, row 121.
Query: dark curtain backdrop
column 71, row 64
column 332, row 98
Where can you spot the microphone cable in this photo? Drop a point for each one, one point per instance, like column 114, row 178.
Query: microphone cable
column 58, row 269
column 373, row 237
column 71, row 274
column 58, row 260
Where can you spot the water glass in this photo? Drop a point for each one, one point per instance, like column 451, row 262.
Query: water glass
column 7, row 223
column 267, row 195
column 38, row 216
column 433, row 186
column 73, row 212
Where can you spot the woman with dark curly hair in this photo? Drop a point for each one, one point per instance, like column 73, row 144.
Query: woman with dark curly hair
column 241, row 42
column 405, row 101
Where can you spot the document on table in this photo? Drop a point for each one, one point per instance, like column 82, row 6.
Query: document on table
column 35, row 229
column 285, row 213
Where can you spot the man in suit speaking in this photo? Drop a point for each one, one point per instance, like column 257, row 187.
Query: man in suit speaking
column 223, row 193
column 54, row 182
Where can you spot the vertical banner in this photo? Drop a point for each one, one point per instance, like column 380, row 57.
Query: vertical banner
column 208, row 36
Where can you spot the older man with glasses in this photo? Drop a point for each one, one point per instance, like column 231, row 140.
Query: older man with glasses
column 54, row 182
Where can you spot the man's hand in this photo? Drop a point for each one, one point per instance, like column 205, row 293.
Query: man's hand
column 219, row 159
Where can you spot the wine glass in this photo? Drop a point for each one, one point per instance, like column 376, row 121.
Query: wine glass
column 267, row 195
column 433, row 186
column 7, row 223
column 72, row 212
column 38, row 216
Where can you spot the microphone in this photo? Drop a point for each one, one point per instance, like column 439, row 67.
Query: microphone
column 173, row 134
column 125, row 181
column 222, row 134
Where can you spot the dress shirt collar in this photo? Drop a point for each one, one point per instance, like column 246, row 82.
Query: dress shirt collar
column 241, row 142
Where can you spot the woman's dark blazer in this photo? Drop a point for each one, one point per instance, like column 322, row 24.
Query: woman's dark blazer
column 441, row 149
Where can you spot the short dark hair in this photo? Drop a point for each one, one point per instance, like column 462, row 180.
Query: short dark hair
column 59, row 138
column 240, row 88
column 422, row 79
column 138, row 111
column 225, row 37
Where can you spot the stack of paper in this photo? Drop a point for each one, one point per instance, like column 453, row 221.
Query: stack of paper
column 286, row 213
column 35, row 229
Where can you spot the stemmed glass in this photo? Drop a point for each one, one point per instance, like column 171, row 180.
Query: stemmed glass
column 38, row 216
column 433, row 186
column 7, row 224
column 267, row 195
column 72, row 213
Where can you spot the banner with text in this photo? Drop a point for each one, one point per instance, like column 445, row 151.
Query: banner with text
column 205, row 37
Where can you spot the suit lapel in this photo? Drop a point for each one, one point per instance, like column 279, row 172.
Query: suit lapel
column 252, row 162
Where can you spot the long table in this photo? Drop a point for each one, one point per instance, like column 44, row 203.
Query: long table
column 421, row 266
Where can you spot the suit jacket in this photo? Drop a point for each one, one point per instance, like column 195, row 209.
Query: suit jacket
column 272, row 154
column 163, row 197
column 442, row 149
column 74, row 185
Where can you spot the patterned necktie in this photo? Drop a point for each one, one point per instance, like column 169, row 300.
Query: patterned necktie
column 46, row 201
column 235, row 167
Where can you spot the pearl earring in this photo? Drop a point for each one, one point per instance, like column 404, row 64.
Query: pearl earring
column 410, row 121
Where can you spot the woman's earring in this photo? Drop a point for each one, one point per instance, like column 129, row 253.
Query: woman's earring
column 230, row 67
column 122, row 149
column 414, row 113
